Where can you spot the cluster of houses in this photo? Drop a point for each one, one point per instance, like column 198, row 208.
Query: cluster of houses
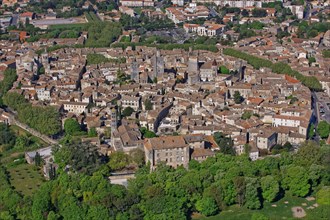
column 186, row 93
column 182, row 96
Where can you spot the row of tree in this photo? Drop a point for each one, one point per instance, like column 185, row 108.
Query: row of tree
column 45, row 119
column 94, row 58
column 280, row 68
column 184, row 46
column 7, row 83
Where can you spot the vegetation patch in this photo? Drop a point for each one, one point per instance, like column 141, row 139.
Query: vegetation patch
column 25, row 178
column 94, row 58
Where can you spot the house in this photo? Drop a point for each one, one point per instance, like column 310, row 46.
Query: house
column 137, row 3
column 9, row 3
column 127, row 138
column 131, row 101
column 126, row 10
column 181, row 14
column 75, row 107
column 254, row 151
column 44, row 92
column 45, row 154
column 177, row 150
column 208, row 71
column 207, row 29
column 26, row 16
column 5, row 117
column 326, row 39
column 266, row 139
column 171, row 150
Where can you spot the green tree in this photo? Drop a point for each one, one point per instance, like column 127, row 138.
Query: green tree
column 225, row 143
column 311, row 60
column 224, row 70
column 22, row 142
column 81, row 157
column 137, row 156
column 14, row 100
column 41, row 202
column 311, row 131
column 323, row 129
column 245, row 13
column 5, row 215
column 259, row 13
column 270, row 188
column 240, row 187
column 118, row 160
column 7, row 137
column 207, row 206
column 149, row 134
column 295, row 179
column 251, row 194
column 71, row 126
column 9, row 77
column 37, row 160
column 127, row 111
column 309, row 153
column 238, row 98
column 246, row 115
column 52, row 216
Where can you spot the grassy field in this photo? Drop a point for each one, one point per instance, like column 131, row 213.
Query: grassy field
column 281, row 211
column 25, row 178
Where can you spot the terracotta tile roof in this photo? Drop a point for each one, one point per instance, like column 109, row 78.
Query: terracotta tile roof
column 291, row 79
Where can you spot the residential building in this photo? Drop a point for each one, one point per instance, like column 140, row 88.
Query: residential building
column 171, row 150
column 207, row 29
column 75, row 107
column 137, row 3
column 131, row 101
column 181, row 14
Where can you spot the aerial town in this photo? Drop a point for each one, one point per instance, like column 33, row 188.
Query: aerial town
column 143, row 109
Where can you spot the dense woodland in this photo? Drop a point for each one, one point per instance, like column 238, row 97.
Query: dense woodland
column 84, row 192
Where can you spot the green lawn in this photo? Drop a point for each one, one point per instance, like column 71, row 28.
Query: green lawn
column 281, row 211
column 25, row 178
